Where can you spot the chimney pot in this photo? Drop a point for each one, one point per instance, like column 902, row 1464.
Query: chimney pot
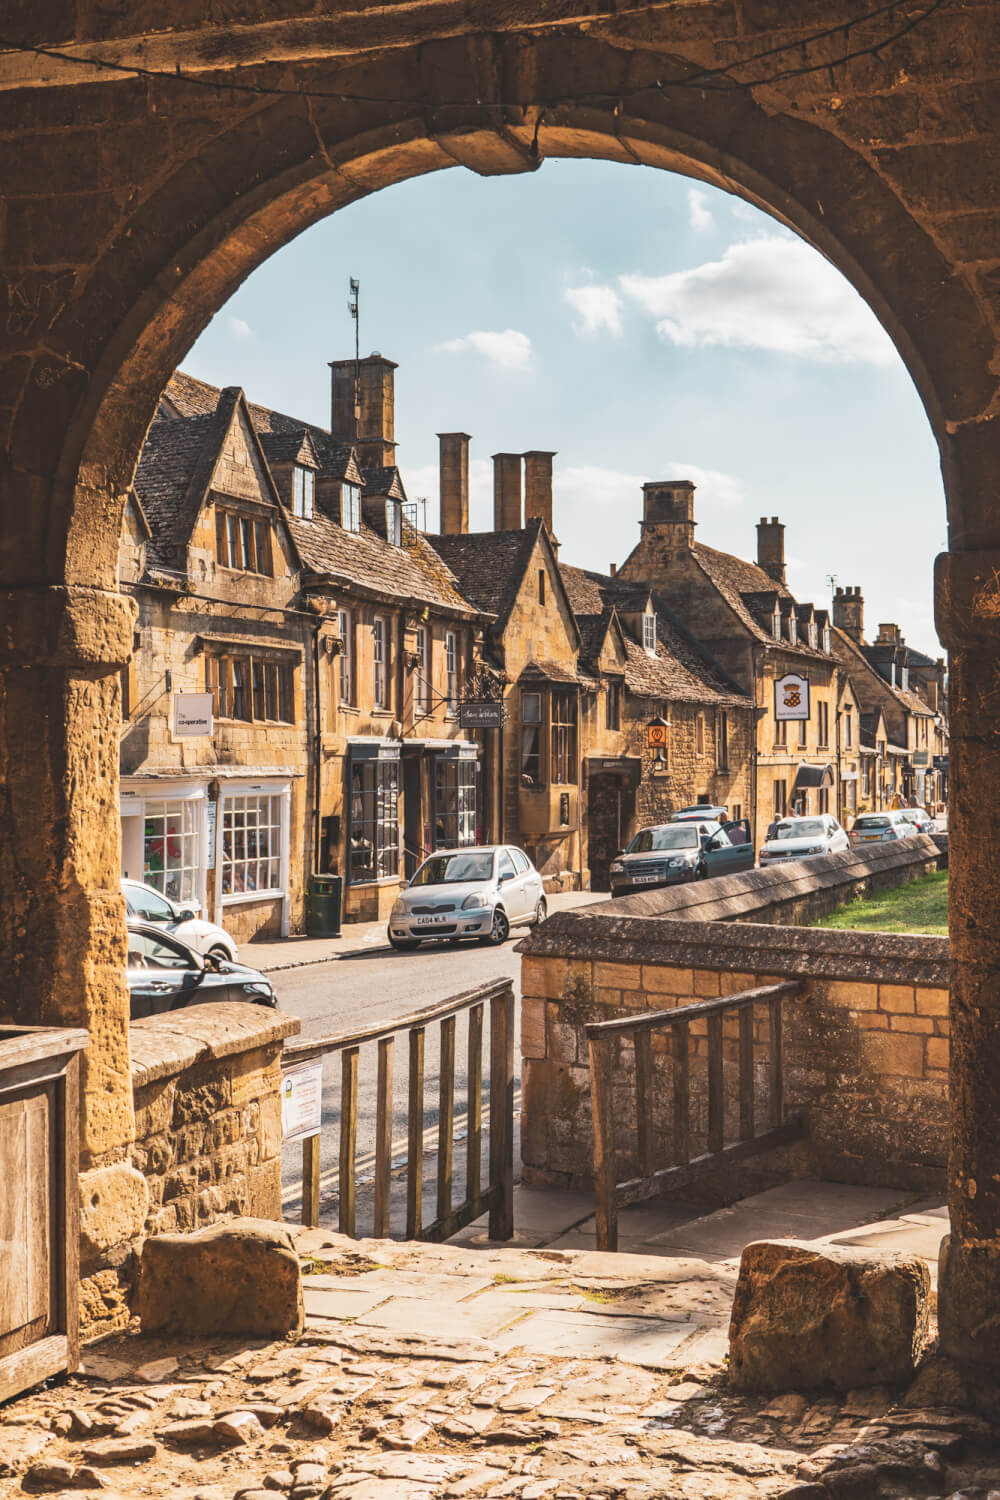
column 849, row 613
column 454, row 481
column 614, row 569
column 771, row 548
column 538, row 486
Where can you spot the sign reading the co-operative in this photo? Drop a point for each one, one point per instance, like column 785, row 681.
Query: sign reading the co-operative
column 192, row 714
column 791, row 697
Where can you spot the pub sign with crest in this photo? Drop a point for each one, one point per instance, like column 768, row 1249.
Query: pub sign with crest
column 791, row 697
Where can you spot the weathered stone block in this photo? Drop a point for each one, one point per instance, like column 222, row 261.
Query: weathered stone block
column 532, row 1027
column 896, row 997
column 853, row 995
column 805, row 1319
column 894, row 1052
column 238, row 1277
column 618, row 976
column 113, row 1205
column 933, row 1002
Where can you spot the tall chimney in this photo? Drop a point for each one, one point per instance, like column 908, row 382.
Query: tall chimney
column 454, row 471
column 771, row 548
column 507, row 492
column 889, row 635
column 538, row 486
column 363, row 407
column 668, row 506
column 849, row 613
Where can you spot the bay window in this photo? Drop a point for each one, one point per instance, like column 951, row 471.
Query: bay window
column 564, row 717
column 374, row 827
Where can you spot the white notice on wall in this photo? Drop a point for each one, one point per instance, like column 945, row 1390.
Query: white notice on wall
column 192, row 714
column 302, row 1101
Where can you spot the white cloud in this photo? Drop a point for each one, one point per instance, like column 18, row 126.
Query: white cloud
column 715, row 489
column 698, row 210
column 772, row 293
column 510, row 349
column 240, row 327
column 596, row 307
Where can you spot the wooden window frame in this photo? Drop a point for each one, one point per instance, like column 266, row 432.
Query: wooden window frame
column 243, row 682
column 345, row 675
column 381, row 686
column 243, row 542
column 564, row 733
column 452, row 672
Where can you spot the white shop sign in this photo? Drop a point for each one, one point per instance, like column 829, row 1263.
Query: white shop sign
column 791, row 697
column 192, row 715
column 302, row 1101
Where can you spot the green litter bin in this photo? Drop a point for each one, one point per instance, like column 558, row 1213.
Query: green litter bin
column 323, row 905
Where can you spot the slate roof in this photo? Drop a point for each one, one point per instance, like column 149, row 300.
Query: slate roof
column 912, row 702
column 489, row 565
column 365, row 559
column 173, row 459
column 681, row 671
column 733, row 577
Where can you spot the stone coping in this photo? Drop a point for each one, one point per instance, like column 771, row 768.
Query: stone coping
column 766, row 891
column 743, row 947
column 163, row 1046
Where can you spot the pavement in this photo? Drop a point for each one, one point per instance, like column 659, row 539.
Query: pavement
column 294, row 952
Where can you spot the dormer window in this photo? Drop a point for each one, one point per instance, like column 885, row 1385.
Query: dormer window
column 826, row 639
column 649, row 634
column 303, row 492
column 892, row 674
column 776, row 623
column 350, row 507
column 394, row 522
column 905, row 675
column 813, row 634
column 793, row 630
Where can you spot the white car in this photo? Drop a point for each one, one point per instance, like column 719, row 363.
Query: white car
column 146, row 904
column 870, row 828
column 469, row 893
column 800, row 838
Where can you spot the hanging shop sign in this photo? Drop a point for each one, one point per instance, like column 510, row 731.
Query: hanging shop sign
column 480, row 715
column 192, row 715
column 656, row 734
column 302, row 1101
column 791, row 697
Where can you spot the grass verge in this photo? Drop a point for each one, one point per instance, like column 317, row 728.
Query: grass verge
column 919, row 907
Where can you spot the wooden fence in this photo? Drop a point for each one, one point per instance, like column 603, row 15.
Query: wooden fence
column 602, row 1040
column 498, row 1195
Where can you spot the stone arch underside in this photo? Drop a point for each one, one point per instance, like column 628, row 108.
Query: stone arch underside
column 135, row 207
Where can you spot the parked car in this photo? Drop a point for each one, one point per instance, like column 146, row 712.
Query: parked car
column 699, row 812
column 164, row 974
column 919, row 817
column 146, row 904
column 468, row 893
column 801, row 838
column 891, row 824
column 676, row 852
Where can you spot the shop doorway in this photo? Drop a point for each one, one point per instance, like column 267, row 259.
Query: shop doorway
column 611, row 814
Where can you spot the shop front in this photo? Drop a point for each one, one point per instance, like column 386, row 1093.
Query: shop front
column 251, row 856
column 165, row 837
column 373, row 829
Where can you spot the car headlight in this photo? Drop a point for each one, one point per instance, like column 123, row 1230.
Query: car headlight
column 815, row 849
column 260, row 988
column 398, row 909
column 617, row 867
column 477, row 899
column 677, row 863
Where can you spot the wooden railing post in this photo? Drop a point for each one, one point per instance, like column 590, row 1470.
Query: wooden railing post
column 644, row 1101
column 474, row 1140
column 415, row 1137
column 310, row 1181
column 348, row 1137
column 777, row 1089
column 501, row 1222
column 601, row 1058
column 746, row 1074
column 383, row 1139
column 681, row 1036
column 446, row 1118
column 716, row 1099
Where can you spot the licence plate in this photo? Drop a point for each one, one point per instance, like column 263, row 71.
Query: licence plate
column 645, row 879
column 433, row 921
column 867, row 837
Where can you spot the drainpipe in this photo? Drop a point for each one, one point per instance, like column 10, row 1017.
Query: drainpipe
column 840, row 799
column 754, row 724
column 317, row 749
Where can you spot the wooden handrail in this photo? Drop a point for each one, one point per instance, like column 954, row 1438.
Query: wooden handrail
column 313, row 1047
column 650, row 1020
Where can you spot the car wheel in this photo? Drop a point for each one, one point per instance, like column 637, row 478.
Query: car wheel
column 541, row 911
column 219, row 952
column 403, row 945
column 500, row 931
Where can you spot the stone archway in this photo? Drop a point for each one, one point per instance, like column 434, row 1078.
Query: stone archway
column 136, row 204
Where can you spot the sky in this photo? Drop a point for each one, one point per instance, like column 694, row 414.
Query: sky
column 644, row 326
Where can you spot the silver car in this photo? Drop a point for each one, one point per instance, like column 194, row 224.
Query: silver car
column 146, row 904
column 468, row 893
column 800, row 838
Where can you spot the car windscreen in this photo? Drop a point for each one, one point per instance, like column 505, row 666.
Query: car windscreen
column 806, row 828
column 453, row 869
column 649, row 839
column 871, row 822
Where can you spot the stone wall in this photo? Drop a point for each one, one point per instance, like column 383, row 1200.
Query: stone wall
column 792, row 894
column 207, row 1091
column 866, row 1045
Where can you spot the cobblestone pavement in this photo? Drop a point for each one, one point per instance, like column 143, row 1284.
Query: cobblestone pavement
column 438, row 1372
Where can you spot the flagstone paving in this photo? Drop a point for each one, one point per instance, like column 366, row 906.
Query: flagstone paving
column 439, row 1372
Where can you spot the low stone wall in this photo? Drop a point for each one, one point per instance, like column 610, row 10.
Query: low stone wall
column 797, row 893
column 866, row 1044
column 207, row 1091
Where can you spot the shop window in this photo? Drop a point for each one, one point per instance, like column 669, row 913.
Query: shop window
column 455, row 803
column 254, row 689
column 722, row 739
column 171, row 849
column 374, row 830
column 780, row 798
column 649, row 634
column 345, row 629
column 303, row 492
column 531, row 739
column 350, row 507
column 564, row 718
column 422, row 692
column 380, row 661
column 613, row 706
column 241, row 542
column 451, row 667
column 251, row 845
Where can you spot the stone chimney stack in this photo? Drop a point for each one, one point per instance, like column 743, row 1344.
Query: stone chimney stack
column 538, row 487
column 889, row 635
column 507, row 492
column 849, row 613
column 668, row 508
column 454, row 480
column 363, row 407
column 771, row 548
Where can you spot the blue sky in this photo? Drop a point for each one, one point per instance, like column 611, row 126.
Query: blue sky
column 644, row 326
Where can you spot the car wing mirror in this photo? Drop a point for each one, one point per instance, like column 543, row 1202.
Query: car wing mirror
column 185, row 915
